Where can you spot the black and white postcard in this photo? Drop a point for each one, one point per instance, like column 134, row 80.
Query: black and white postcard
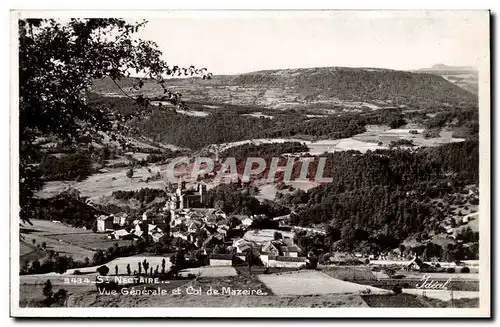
column 276, row 163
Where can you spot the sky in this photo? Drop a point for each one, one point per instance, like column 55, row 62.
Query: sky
column 238, row 42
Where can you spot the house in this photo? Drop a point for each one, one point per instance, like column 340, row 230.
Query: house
column 104, row 224
column 183, row 235
column 282, row 220
column 185, row 198
column 193, row 227
column 221, row 259
column 247, row 221
column 242, row 245
column 291, row 249
column 157, row 236
column 221, row 230
column 120, row 234
column 213, row 240
column 417, row 264
column 123, row 219
column 261, row 236
column 270, row 247
column 120, row 219
column 283, row 262
column 137, row 232
column 281, row 248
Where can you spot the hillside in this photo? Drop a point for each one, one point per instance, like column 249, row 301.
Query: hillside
column 464, row 76
column 327, row 88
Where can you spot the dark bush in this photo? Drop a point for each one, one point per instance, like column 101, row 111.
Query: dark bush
column 397, row 289
column 103, row 270
column 450, row 270
column 77, row 272
column 465, row 270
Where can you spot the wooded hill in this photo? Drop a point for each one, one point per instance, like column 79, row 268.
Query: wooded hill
column 383, row 86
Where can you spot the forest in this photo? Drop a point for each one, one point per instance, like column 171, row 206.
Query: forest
column 165, row 125
column 263, row 150
column 385, row 196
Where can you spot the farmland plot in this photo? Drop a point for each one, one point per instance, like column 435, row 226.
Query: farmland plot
column 443, row 295
column 43, row 231
column 122, row 263
column 210, row 271
column 310, row 282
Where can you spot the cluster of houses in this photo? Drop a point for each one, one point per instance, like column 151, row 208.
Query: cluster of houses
column 209, row 229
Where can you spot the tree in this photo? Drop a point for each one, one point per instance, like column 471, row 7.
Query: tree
column 145, row 264
column 47, row 290
column 130, row 173
column 62, row 264
column 33, row 241
column 163, row 263
column 140, row 267
column 99, row 257
column 35, row 266
column 116, row 270
column 60, row 294
column 58, row 62
column 103, row 270
column 128, row 269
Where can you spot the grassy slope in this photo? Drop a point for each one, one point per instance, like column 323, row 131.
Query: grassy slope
column 310, row 84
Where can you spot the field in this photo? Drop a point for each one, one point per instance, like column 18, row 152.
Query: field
column 208, row 271
column 443, row 295
column 309, row 282
column 90, row 241
column 105, row 183
column 124, row 261
column 265, row 299
column 393, row 301
column 363, row 142
column 46, row 231
column 349, row 273
column 65, row 240
column 384, row 134
column 207, row 301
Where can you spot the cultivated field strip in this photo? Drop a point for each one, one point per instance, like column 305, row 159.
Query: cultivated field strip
column 311, row 282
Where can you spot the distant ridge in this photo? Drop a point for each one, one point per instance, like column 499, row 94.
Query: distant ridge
column 322, row 86
column 465, row 77
column 443, row 67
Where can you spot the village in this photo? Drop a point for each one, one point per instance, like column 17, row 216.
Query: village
column 217, row 235
column 222, row 238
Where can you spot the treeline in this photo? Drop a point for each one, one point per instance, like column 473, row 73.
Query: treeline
column 332, row 126
column 144, row 195
column 463, row 122
column 386, row 195
column 238, row 199
column 76, row 165
column 401, row 88
column 264, row 150
column 165, row 125
column 67, row 210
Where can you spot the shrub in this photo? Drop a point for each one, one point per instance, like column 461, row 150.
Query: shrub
column 465, row 270
column 397, row 289
column 103, row 270
column 77, row 272
column 450, row 270
column 60, row 294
